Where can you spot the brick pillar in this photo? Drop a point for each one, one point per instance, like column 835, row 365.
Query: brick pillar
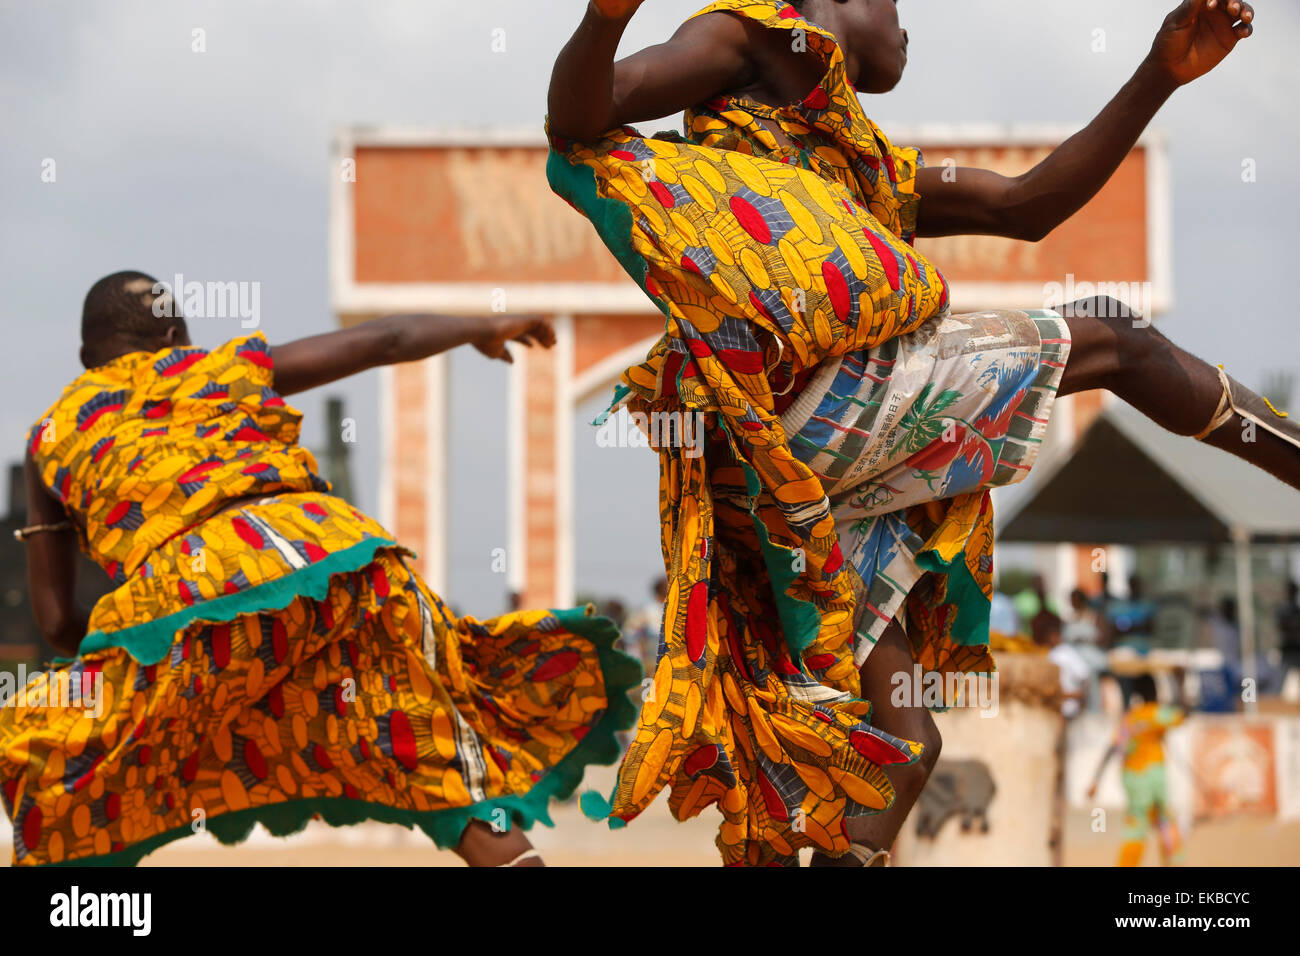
column 414, row 397
column 1085, row 407
column 540, row 560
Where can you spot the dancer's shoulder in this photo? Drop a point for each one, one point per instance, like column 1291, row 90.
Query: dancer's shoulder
column 251, row 353
column 783, row 55
column 775, row 13
column 757, row 17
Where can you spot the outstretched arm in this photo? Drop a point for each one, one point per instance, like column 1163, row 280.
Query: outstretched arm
column 1193, row 39
column 320, row 359
column 590, row 93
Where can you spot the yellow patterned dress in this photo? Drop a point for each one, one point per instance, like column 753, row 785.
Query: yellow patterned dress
column 268, row 655
column 805, row 527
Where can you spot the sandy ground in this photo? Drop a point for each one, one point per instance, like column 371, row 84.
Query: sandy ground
column 657, row 840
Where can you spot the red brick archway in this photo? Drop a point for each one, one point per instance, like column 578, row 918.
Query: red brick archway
column 464, row 223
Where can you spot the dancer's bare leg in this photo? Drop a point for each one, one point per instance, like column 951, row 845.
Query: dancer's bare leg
column 1173, row 388
column 891, row 655
column 480, row 845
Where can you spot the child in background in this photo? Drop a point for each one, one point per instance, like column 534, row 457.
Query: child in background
column 1141, row 738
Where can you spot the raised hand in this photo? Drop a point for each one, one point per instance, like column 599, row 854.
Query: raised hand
column 1196, row 37
column 495, row 331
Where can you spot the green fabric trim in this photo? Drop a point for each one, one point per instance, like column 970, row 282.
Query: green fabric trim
column 620, row 392
column 971, row 627
column 576, row 182
column 612, row 220
column 150, row 642
column 600, row 746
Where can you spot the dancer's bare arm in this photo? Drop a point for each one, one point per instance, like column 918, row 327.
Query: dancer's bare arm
column 52, row 567
column 1193, row 39
column 590, row 93
column 320, row 359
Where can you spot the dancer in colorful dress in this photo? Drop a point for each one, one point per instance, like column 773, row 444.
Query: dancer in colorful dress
column 1141, row 739
column 855, row 426
column 268, row 654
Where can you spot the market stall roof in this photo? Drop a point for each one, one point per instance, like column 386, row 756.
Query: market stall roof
column 1128, row 481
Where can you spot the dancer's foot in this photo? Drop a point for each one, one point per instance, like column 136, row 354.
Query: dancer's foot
column 891, row 656
column 859, row 855
column 481, row 845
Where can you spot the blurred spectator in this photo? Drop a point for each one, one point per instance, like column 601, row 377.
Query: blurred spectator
column 1216, row 695
column 1082, row 624
column 615, row 611
column 1227, row 635
column 1037, row 611
column 1076, row 674
column 1003, row 618
column 1101, row 601
column 1226, row 630
column 642, row 629
column 1082, row 630
column 1130, row 620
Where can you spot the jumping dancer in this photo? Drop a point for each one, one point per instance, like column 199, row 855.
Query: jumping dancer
column 855, row 426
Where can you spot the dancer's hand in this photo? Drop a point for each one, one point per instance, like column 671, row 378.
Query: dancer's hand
column 615, row 9
column 497, row 330
column 1196, row 37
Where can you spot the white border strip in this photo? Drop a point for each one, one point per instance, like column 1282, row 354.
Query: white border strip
column 437, row 383
column 516, row 471
column 565, row 558
column 476, row 298
column 387, row 450
column 1160, row 219
column 472, row 298
column 342, row 265
column 605, row 373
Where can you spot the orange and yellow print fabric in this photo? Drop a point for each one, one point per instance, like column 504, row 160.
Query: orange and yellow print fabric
column 764, row 267
column 268, row 654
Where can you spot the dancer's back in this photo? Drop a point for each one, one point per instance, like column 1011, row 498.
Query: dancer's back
column 269, row 654
column 152, row 443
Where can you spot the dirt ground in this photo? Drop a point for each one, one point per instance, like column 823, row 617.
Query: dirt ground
column 657, row 840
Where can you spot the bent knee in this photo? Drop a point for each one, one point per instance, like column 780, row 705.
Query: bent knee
column 1109, row 343
column 1103, row 307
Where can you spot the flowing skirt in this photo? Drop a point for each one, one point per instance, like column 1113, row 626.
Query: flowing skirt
column 337, row 686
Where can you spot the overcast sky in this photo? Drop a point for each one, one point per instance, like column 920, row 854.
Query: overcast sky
column 216, row 165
